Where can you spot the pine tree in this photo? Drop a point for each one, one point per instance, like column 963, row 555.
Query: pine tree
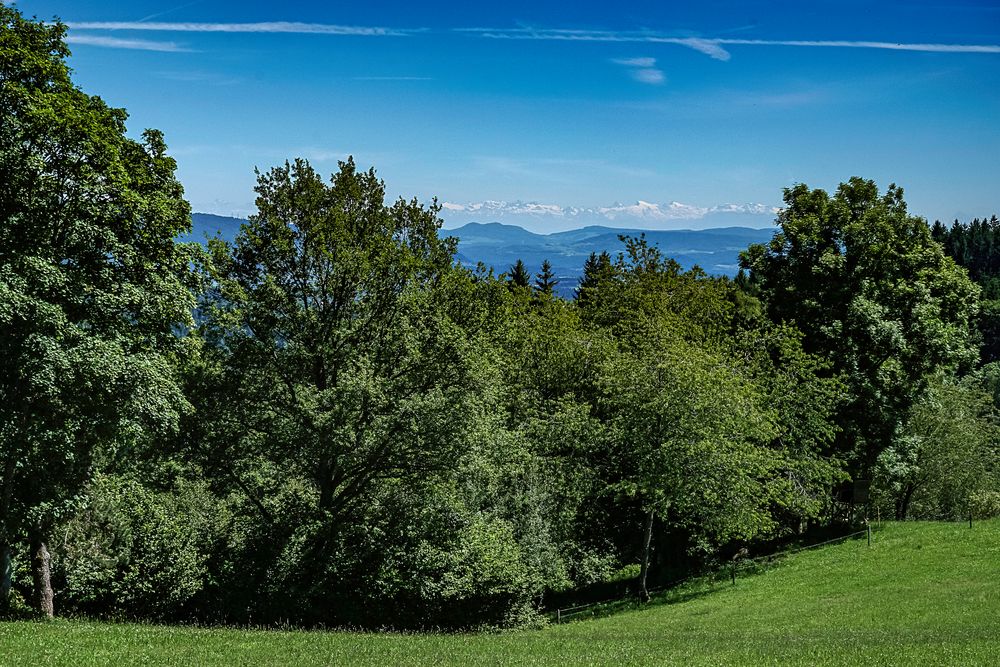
column 518, row 276
column 596, row 269
column 545, row 280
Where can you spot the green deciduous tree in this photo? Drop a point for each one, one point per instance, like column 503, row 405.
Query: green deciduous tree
column 338, row 316
column 689, row 438
column 946, row 452
column 92, row 285
column 873, row 293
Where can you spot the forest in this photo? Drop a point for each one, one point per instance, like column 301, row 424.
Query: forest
column 330, row 422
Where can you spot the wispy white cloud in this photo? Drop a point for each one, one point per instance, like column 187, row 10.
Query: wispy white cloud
column 709, row 47
column 118, row 43
column 635, row 62
column 715, row 47
column 392, row 78
column 891, row 46
column 649, row 75
column 265, row 27
column 643, row 70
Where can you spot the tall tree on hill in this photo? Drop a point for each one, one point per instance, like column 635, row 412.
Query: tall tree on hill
column 92, row 286
column 871, row 291
column 519, row 276
column 597, row 269
column 545, row 280
column 334, row 312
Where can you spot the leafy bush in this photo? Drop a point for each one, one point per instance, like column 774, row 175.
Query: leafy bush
column 985, row 504
column 134, row 552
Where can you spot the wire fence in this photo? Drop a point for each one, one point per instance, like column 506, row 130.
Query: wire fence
column 733, row 567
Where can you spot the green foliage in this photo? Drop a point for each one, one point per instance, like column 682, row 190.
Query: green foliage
column 984, row 504
column 976, row 247
column 362, row 354
column 330, row 422
column 518, row 277
column 138, row 552
column 545, row 280
column 873, row 293
column 803, row 400
column 327, row 307
column 93, row 289
column 945, row 454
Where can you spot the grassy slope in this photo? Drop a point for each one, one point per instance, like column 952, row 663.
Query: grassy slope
column 923, row 594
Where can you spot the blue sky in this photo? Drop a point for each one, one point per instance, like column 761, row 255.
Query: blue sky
column 568, row 105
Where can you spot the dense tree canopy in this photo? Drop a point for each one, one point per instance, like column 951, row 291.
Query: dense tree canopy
column 976, row 247
column 330, row 421
column 872, row 292
column 92, row 285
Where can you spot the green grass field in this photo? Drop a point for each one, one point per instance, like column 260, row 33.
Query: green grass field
column 923, row 594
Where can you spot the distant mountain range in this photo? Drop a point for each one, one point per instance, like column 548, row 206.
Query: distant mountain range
column 549, row 218
column 207, row 225
column 499, row 246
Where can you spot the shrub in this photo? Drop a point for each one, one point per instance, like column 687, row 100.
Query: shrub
column 135, row 552
column 985, row 504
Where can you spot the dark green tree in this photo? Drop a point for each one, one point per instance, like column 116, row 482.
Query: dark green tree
column 518, row 277
column 597, row 269
column 545, row 280
column 976, row 247
column 873, row 293
column 93, row 291
column 343, row 366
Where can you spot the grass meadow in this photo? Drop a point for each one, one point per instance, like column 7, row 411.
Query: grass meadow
column 922, row 594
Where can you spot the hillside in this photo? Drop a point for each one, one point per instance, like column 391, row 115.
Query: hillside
column 498, row 245
column 924, row 593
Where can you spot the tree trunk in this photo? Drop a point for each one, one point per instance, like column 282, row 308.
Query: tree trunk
column 6, row 573
column 903, row 503
column 6, row 555
column 41, row 574
column 644, row 570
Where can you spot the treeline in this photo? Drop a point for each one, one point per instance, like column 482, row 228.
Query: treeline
column 976, row 246
column 328, row 421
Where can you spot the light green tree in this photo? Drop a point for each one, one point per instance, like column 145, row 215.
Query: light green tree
column 689, row 436
column 946, row 452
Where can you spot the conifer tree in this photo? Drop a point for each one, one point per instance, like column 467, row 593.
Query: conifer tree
column 519, row 276
column 596, row 269
column 545, row 280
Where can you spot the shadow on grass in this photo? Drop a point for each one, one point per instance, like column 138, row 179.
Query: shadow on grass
column 695, row 586
column 687, row 591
